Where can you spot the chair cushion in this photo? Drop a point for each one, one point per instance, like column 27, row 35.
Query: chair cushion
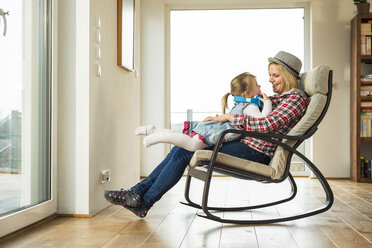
column 312, row 82
column 313, row 111
column 231, row 161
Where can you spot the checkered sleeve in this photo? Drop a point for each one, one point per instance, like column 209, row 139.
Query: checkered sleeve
column 286, row 110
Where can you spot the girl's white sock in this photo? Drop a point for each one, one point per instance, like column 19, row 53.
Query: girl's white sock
column 145, row 130
column 178, row 139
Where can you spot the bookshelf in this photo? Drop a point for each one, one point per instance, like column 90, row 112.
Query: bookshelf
column 360, row 64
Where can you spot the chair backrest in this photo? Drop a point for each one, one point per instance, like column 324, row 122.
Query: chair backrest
column 317, row 86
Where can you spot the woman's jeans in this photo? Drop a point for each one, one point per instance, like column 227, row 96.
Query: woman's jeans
column 171, row 169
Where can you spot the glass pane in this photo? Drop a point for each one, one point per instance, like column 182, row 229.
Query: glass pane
column 24, row 105
column 210, row 47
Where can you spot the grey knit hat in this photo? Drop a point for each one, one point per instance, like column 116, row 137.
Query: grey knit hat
column 288, row 61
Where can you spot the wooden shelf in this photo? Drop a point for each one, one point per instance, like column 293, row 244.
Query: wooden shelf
column 365, row 180
column 359, row 65
column 366, row 58
column 366, row 139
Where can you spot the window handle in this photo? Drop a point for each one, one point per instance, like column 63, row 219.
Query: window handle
column 3, row 13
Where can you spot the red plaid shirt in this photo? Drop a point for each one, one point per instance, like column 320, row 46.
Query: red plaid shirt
column 288, row 109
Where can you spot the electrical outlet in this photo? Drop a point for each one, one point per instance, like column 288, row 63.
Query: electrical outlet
column 105, row 176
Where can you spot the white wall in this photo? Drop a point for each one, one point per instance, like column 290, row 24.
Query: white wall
column 96, row 115
column 153, row 77
column 115, row 108
column 330, row 42
column 331, row 46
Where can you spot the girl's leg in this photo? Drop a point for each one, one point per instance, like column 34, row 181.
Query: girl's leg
column 145, row 130
column 178, row 139
column 149, row 129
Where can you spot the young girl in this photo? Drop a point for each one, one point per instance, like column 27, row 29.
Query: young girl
column 200, row 135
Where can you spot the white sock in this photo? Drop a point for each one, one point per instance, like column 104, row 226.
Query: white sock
column 145, row 130
column 178, row 139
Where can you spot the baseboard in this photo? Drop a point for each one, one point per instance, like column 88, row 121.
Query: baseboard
column 75, row 215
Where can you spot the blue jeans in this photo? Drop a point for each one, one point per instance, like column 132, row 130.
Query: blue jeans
column 171, row 169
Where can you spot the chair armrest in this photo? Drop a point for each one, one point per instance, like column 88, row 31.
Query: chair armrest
column 264, row 135
column 269, row 137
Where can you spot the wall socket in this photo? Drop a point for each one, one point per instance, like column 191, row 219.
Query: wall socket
column 105, row 176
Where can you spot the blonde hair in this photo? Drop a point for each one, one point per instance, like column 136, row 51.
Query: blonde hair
column 290, row 80
column 239, row 84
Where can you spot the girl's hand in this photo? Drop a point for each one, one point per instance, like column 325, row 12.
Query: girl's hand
column 264, row 98
column 208, row 118
column 220, row 118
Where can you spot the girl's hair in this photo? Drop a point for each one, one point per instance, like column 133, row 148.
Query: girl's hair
column 241, row 83
column 289, row 78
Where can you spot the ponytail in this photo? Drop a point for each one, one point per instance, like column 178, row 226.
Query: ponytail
column 224, row 102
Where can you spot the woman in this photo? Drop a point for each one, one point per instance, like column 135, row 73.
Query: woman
column 289, row 105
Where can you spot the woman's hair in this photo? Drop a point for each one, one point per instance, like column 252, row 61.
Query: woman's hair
column 239, row 84
column 290, row 81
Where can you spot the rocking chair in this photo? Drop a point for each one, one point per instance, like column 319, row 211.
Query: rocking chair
column 317, row 84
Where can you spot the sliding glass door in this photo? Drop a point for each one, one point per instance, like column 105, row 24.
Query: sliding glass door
column 25, row 113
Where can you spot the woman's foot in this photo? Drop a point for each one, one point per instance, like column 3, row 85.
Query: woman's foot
column 139, row 211
column 126, row 198
column 145, row 130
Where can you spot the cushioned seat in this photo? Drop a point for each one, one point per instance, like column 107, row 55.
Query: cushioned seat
column 317, row 84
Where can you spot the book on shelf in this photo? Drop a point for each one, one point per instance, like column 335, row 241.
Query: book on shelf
column 368, row 87
column 365, row 93
column 365, row 126
column 365, row 113
column 362, row 159
column 366, row 29
column 365, row 83
column 365, row 167
column 366, row 104
column 366, row 109
column 366, row 75
column 366, row 90
column 365, row 117
column 365, row 44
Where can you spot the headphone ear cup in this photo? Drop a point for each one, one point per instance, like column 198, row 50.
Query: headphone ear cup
column 257, row 101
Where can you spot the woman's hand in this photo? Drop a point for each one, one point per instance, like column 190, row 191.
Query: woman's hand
column 220, row 118
column 264, row 97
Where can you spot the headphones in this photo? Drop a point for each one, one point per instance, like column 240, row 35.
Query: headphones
column 254, row 100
